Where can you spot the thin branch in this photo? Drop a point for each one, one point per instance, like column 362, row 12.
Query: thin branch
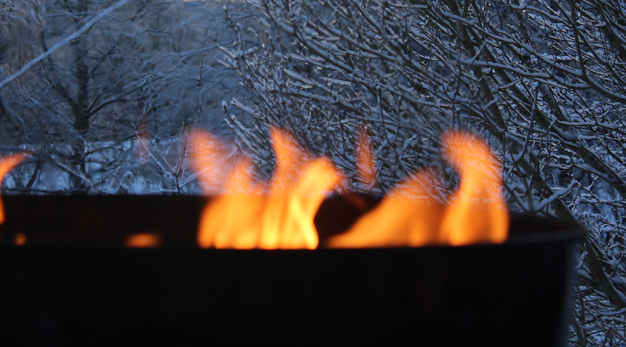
column 62, row 42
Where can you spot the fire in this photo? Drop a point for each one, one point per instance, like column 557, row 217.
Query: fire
column 477, row 212
column 413, row 214
column 143, row 143
column 279, row 215
column 252, row 215
column 365, row 160
column 408, row 216
column 6, row 165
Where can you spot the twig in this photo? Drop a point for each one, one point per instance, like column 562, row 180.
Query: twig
column 62, row 42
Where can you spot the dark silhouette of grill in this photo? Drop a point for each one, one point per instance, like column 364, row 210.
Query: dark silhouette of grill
column 73, row 284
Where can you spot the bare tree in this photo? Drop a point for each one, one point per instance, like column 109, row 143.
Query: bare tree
column 95, row 81
column 542, row 80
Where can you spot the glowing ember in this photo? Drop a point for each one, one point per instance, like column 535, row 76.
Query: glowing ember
column 412, row 214
column 6, row 165
column 248, row 216
column 143, row 240
column 20, row 239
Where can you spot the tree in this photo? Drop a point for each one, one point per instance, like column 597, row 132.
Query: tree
column 131, row 82
column 542, row 80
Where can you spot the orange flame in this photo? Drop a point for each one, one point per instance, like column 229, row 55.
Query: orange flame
column 408, row 216
column 477, row 212
column 412, row 214
column 142, row 132
column 365, row 160
column 280, row 215
column 6, row 165
column 209, row 159
column 143, row 147
column 247, row 216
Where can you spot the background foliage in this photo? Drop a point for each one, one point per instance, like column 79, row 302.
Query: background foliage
column 542, row 81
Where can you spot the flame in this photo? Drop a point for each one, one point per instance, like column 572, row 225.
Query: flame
column 413, row 214
column 365, row 160
column 143, row 240
column 142, row 133
column 408, row 216
column 248, row 216
column 279, row 215
column 209, row 159
column 143, row 147
column 6, row 165
column 477, row 212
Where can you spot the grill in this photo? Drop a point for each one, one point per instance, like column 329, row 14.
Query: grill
column 73, row 282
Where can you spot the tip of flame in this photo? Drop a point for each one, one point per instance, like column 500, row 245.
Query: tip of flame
column 477, row 212
column 6, row 165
